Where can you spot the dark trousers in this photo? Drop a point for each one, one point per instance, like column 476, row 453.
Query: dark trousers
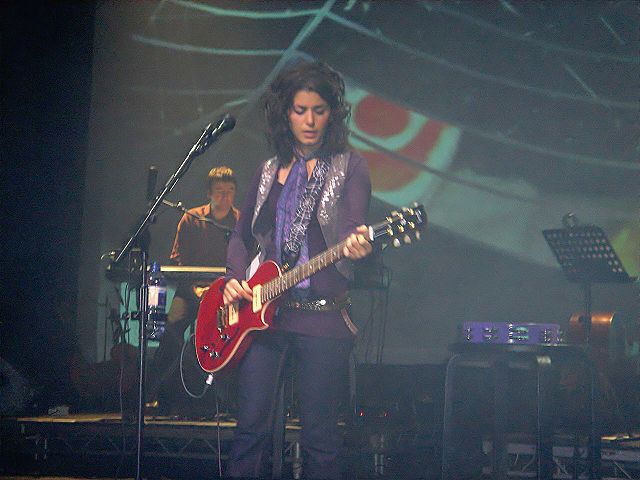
column 321, row 367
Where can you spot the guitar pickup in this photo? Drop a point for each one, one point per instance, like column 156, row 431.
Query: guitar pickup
column 222, row 318
column 232, row 313
column 257, row 298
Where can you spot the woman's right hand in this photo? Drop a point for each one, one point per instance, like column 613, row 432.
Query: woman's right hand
column 234, row 291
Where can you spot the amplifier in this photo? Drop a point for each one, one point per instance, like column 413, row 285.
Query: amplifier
column 511, row 333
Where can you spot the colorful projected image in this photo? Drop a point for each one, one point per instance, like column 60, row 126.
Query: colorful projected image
column 499, row 123
column 400, row 145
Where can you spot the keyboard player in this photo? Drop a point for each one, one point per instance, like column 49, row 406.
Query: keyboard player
column 201, row 240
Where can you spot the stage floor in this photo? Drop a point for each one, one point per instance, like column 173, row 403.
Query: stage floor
column 10, row 477
column 100, row 445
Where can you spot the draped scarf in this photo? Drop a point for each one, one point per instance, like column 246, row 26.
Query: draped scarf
column 296, row 205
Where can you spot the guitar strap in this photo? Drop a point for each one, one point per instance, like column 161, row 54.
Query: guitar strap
column 347, row 320
column 253, row 266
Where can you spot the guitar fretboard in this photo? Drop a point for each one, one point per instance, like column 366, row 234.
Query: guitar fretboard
column 403, row 223
column 277, row 286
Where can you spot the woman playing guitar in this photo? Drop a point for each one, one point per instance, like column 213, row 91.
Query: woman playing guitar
column 312, row 195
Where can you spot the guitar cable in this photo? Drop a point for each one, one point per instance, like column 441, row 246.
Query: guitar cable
column 208, row 383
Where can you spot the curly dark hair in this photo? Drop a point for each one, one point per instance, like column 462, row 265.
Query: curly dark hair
column 308, row 76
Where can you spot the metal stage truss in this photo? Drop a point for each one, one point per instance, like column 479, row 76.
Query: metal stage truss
column 103, row 435
column 620, row 457
column 50, row 444
column 44, row 440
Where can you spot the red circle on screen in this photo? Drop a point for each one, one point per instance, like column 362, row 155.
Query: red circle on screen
column 379, row 117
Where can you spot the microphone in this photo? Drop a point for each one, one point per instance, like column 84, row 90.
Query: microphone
column 214, row 130
column 570, row 220
column 152, row 180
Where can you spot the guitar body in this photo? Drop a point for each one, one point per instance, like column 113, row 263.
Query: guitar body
column 223, row 333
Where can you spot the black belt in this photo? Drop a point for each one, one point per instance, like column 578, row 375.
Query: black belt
column 317, row 305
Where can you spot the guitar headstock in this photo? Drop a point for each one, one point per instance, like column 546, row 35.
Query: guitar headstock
column 400, row 226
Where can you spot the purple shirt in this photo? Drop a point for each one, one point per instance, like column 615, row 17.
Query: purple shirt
column 327, row 283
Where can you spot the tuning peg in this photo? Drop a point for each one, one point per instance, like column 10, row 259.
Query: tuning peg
column 407, row 239
column 412, row 225
column 417, row 235
column 396, row 242
column 400, row 228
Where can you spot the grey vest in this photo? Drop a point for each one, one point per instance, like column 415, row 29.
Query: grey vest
column 328, row 213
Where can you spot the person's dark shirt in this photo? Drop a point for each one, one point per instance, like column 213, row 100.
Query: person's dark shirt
column 201, row 243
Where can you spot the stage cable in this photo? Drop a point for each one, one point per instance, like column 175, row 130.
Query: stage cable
column 219, row 442
column 388, row 273
column 107, row 322
column 208, row 383
column 124, row 333
column 367, row 332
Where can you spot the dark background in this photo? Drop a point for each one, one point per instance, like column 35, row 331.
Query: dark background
column 46, row 90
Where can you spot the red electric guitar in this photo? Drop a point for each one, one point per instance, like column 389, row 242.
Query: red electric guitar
column 223, row 332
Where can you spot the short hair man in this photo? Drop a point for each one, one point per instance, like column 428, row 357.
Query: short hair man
column 201, row 240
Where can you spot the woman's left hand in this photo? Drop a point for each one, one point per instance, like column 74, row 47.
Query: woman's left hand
column 358, row 245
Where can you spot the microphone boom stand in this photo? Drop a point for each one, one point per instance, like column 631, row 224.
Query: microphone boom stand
column 208, row 137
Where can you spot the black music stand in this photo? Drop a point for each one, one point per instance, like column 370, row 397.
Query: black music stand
column 586, row 257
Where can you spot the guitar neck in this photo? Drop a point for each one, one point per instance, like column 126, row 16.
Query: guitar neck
column 276, row 287
column 396, row 224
